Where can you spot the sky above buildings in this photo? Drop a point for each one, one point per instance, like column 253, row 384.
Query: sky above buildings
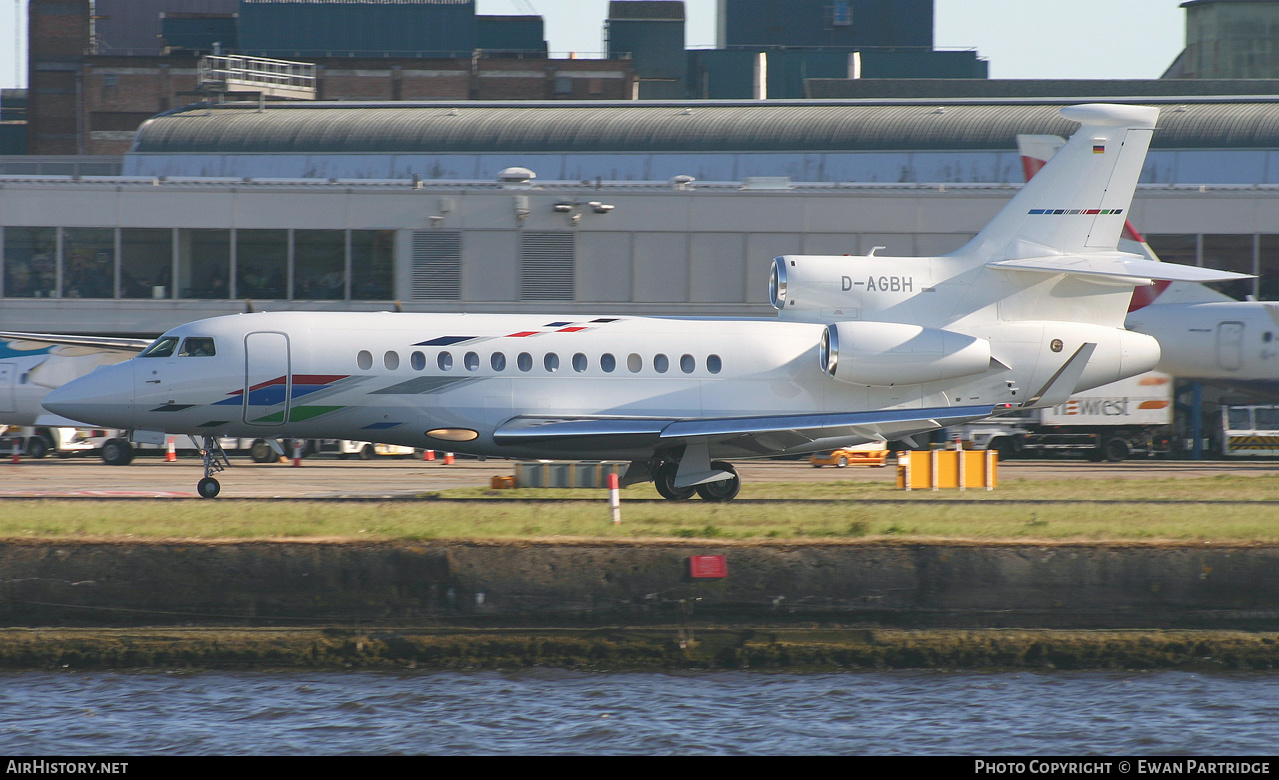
column 1022, row 39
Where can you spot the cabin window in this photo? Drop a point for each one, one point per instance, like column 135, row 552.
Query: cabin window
column 551, row 362
column 198, row 346
column 418, row 361
column 498, row 361
column 525, row 361
column 579, row 362
column 444, row 361
column 471, row 361
column 634, row 363
column 364, row 359
column 661, row 363
column 391, row 360
column 162, row 347
column 608, row 363
column 687, row 364
column 713, row 364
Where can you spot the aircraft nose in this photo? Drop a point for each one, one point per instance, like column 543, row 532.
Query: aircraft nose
column 103, row 397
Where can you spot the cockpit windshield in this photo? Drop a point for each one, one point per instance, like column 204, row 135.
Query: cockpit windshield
column 161, row 347
column 192, row 346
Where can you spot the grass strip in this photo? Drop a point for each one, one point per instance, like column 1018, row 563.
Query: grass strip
column 1252, row 514
column 670, row 648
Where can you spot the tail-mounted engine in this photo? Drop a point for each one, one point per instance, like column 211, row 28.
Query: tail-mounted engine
column 837, row 286
column 884, row 354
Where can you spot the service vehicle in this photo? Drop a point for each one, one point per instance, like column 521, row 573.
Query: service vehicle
column 861, row 455
column 364, row 450
column 44, row 440
column 1129, row 418
column 1250, row 431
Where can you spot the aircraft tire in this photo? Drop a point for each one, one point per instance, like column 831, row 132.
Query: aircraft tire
column 664, row 479
column 117, row 452
column 725, row 489
column 209, row 488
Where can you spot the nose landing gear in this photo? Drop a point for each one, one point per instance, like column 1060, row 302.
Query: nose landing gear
column 215, row 460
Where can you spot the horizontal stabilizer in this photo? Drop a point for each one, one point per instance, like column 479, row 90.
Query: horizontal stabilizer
column 1117, row 266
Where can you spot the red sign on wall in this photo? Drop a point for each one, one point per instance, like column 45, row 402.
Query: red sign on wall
column 703, row 567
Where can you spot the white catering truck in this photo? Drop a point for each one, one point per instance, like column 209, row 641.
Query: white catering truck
column 1132, row 417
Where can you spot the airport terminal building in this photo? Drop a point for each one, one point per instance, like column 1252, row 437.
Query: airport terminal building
column 658, row 207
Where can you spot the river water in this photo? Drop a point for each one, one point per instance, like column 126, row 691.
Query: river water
column 543, row 712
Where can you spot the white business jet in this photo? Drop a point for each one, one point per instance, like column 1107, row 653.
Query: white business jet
column 863, row 349
column 1204, row 335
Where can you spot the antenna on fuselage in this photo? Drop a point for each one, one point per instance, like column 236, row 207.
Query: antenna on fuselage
column 248, row 307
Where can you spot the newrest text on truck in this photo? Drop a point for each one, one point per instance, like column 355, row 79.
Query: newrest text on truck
column 1113, row 422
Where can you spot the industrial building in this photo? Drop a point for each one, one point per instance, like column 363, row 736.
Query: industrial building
column 671, row 208
column 99, row 68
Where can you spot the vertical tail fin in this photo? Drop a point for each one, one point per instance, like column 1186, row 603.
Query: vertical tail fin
column 1078, row 202
column 1036, row 151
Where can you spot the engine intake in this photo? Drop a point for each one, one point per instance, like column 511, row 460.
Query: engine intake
column 885, row 354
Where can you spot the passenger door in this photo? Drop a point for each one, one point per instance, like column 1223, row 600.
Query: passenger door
column 267, row 379
column 1230, row 345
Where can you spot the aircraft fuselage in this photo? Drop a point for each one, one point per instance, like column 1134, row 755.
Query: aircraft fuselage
column 450, row 381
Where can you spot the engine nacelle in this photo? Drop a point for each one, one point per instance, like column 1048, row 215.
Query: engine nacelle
column 885, row 354
column 841, row 286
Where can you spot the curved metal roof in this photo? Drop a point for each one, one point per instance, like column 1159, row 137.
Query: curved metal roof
column 469, row 127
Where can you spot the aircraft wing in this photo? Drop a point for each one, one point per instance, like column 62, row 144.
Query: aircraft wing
column 761, row 435
column 101, row 343
column 1117, row 266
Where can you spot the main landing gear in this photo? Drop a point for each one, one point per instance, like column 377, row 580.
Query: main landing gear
column 677, row 479
column 719, row 490
column 215, row 460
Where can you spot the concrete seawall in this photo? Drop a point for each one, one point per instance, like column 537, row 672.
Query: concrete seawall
column 592, row 583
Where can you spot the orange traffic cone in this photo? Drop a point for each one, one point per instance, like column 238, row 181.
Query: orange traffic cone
column 428, row 455
column 448, row 459
column 170, row 453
